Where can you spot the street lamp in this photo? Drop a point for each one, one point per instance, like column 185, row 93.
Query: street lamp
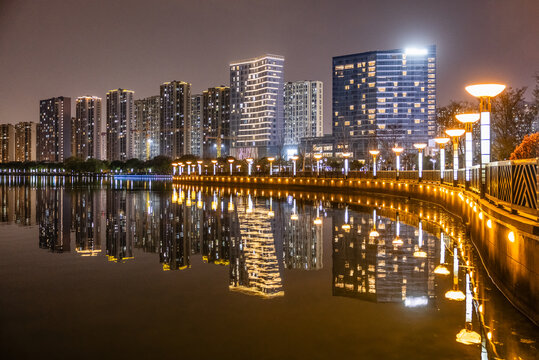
column 398, row 150
column 294, row 159
column 249, row 164
column 174, row 166
column 199, row 162
column 346, row 155
column 455, row 134
column 271, row 160
column 214, row 162
column 442, row 141
column 485, row 92
column 318, row 157
column 420, row 147
column 468, row 121
column 231, row 161
column 188, row 167
column 180, row 164
column 374, row 154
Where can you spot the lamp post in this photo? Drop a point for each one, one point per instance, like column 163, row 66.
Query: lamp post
column 374, row 154
column 318, row 157
column 249, row 164
column 455, row 134
column 468, row 121
column 420, row 147
column 231, row 161
column 398, row 150
column 442, row 141
column 214, row 162
column 188, row 167
column 174, row 167
column 271, row 160
column 346, row 155
column 199, row 162
column 485, row 92
column 294, row 159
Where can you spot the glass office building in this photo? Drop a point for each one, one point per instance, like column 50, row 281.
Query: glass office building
column 384, row 97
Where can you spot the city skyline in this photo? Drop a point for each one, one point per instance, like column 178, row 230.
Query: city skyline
column 308, row 50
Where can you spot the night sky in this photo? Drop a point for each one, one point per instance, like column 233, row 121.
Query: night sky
column 73, row 48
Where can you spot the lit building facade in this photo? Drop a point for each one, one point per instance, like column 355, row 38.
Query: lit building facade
column 147, row 124
column 384, row 96
column 87, row 128
column 7, row 143
column 175, row 131
column 216, row 122
column 120, row 124
column 26, row 141
column 196, row 125
column 303, row 111
column 54, row 135
column 256, row 106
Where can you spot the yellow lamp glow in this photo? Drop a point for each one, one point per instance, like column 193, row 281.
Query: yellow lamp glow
column 468, row 118
column 485, row 90
column 441, row 270
column 468, row 337
column 455, row 295
column 374, row 152
column 420, row 146
column 455, row 132
column 511, row 236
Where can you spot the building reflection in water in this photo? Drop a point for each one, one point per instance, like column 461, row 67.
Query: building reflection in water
column 379, row 254
column 369, row 265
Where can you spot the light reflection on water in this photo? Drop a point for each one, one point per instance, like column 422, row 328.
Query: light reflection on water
column 378, row 250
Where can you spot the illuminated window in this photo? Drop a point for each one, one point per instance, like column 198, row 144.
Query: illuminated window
column 382, row 100
column 404, row 73
column 352, row 133
column 363, row 80
column 349, row 66
column 336, row 113
column 422, row 88
column 372, row 111
column 347, row 123
column 395, row 83
column 351, row 107
column 403, row 94
column 403, row 62
column 417, row 121
column 423, row 110
column 409, row 132
column 371, row 84
column 347, row 87
column 416, row 83
column 395, row 111
column 417, row 105
column 409, row 111
column 351, row 81
column 381, row 126
column 395, row 105
column 382, row 111
column 336, row 123
column 363, row 106
column 371, row 74
column 372, row 116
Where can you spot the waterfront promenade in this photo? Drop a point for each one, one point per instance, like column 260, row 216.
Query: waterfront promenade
column 501, row 214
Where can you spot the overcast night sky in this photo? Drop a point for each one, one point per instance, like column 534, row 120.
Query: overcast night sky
column 73, row 48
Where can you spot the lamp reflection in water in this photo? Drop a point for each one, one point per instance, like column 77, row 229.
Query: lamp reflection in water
column 294, row 215
column 455, row 294
column 468, row 120
column 346, row 225
column 467, row 336
column 441, row 269
column 318, row 220
column 373, row 232
column 420, row 253
column 270, row 212
column 397, row 241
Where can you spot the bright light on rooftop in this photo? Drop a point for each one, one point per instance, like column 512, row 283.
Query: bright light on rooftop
column 415, row 51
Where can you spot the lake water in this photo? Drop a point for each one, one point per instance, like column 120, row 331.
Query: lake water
column 118, row 269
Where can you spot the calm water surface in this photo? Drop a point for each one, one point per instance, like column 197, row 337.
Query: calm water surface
column 151, row 269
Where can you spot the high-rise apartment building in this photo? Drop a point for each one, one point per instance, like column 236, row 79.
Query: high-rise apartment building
column 256, row 106
column 7, row 143
column 386, row 96
column 216, row 122
column 196, row 125
column 26, row 141
column 120, row 124
column 147, row 118
column 303, row 112
column 54, row 135
column 87, row 128
column 175, row 104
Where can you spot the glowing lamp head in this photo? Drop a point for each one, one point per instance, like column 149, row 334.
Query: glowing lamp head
column 441, row 140
column 294, row 217
column 441, row 270
column 174, row 164
column 318, row 156
column 397, row 150
column 374, row 152
column 468, row 118
column 346, row 155
column 397, row 241
column 231, row 161
column 455, row 132
column 374, row 233
column 199, row 162
column 420, row 146
column 188, row 162
column 214, row 161
column 317, row 221
column 455, row 295
column 295, row 157
column 485, row 90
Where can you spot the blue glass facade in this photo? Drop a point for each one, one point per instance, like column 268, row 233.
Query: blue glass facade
column 384, row 97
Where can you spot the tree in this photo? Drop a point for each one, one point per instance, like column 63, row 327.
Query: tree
column 512, row 120
column 528, row 148
column 445, row 115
